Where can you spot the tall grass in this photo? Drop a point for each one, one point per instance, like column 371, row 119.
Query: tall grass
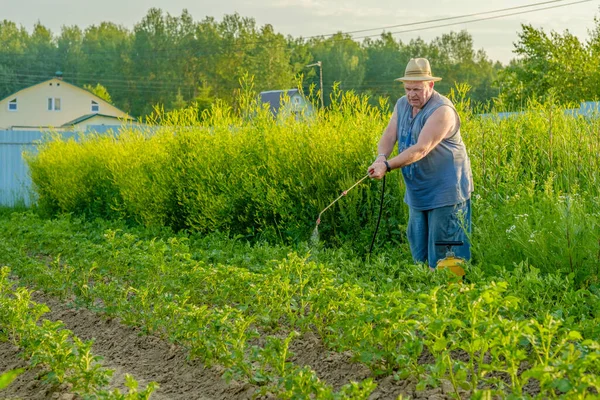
column 247, row 173
column 254, row 176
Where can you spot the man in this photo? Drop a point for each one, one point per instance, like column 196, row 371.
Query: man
column 435, row 166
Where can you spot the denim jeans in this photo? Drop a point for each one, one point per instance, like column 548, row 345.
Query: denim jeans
column 444, row 223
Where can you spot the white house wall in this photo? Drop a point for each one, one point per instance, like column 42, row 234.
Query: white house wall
column 32, row 106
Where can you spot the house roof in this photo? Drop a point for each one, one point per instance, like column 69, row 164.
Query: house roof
column 273, row 98
column 88, row 116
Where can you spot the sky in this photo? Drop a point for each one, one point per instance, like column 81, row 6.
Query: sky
column 322, row 17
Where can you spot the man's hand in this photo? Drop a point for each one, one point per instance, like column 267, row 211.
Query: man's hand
column 377, row 170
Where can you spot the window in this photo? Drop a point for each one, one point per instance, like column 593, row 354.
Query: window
column 95, row 106
column 12, row 105
column 53, row 104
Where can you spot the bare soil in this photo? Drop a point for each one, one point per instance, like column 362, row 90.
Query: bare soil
column 147, row 358
column 28, row 385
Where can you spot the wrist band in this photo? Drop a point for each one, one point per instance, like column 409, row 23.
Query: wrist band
column 387, row 165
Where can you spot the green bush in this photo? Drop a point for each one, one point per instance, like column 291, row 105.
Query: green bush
column 264, row 178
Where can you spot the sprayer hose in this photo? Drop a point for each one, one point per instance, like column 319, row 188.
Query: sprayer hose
column 379, row 218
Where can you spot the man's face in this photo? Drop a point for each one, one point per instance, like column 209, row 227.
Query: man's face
column 418, row 93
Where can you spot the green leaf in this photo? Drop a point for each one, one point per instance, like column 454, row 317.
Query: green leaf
column 457, row 323
column 8, row 377
column 402, row 374
column 440, row 344
column 574, row 335
column 563, row 385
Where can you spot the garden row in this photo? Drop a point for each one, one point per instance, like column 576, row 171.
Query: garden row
column 62, row 356
column 512, row 333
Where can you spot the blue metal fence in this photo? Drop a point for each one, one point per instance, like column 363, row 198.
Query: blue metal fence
column 15, row 182
column 586, row 109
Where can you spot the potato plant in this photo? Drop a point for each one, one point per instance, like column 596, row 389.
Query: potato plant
column 167, row 286
column 64, row 358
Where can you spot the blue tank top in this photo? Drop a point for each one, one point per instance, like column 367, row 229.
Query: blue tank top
column 443, row 177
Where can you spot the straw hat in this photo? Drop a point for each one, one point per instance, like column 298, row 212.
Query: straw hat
column 418, row 69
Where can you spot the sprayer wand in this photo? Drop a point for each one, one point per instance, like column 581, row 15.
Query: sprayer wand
column 345, row 192
column 315, row 234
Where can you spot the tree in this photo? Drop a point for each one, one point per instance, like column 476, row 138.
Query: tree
column 8, row 81
column 204, row 99
column 106, row 49
column 99, row 91
column 343, row 61
column 42, row 53
column 69, row 53
column 550, row 61
column 269, row 61
column 13, row 50
column 385, row 62
column 179, row 102
column 593, row 66
column 161, row 54
column 172, row 60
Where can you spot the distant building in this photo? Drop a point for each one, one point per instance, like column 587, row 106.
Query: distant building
column 285, row 102
column 59, row 105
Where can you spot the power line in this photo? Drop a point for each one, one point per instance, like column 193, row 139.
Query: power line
column 143, row 84
column 140, row 85
column 365, row 84
column 136, row 84
column 240, row 44
column 478, row 19
column 142, row 80
column 441, row 19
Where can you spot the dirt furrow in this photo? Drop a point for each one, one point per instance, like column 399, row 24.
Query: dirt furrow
column 127, row 350
column 147, row 358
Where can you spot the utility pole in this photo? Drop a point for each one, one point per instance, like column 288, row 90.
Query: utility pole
column 320, row 65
